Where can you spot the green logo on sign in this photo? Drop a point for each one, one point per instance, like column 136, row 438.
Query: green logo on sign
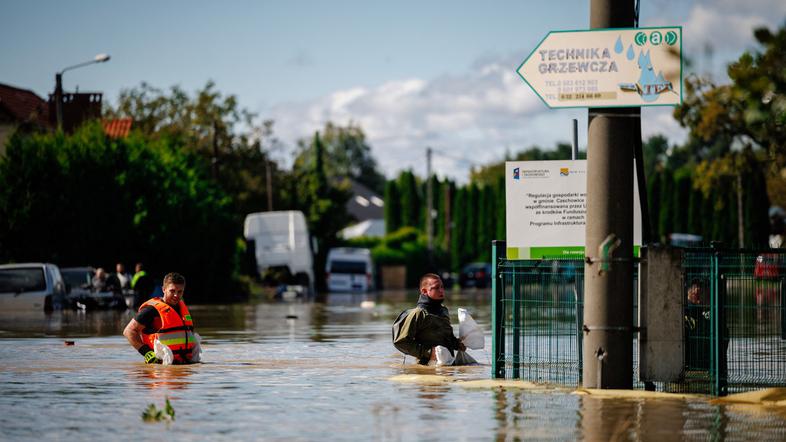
column 640, row 38
column 656, row 38
column 671, row 38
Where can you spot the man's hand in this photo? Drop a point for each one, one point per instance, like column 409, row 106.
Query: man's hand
column 461, row 346
column 149, row 355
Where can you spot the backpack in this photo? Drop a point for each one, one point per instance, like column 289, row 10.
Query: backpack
column 397, row 329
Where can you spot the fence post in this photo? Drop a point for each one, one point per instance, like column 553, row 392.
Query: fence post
column 783, row 308
column 498, row 253
column 718, row 326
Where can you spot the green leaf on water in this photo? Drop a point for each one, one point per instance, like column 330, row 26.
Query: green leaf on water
column 154, row 414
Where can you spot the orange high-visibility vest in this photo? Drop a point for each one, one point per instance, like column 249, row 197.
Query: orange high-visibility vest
column 177, row 330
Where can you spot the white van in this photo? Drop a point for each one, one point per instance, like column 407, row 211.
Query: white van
column 31, row 286
column 349, row 269
column 281, row 239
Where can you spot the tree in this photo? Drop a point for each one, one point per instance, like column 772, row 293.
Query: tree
column 411, row 207
column 324, row 204
column 458, row 229
column 752, row 109
column 218, row 130
column 392, row 207
column 346, row 155
column 86, row 199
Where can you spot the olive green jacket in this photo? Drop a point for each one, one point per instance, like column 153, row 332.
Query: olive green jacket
column 418, row 331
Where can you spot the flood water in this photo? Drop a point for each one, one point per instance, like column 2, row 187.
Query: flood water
column 309, row 371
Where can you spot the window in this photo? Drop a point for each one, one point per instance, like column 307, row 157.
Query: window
column 22, row 280
column 348, row 267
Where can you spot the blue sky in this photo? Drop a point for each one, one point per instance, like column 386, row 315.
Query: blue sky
column 412, row 74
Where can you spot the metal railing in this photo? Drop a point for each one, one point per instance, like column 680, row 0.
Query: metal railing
column 734, row 320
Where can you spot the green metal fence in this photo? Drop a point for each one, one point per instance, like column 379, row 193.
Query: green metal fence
column 734, row 316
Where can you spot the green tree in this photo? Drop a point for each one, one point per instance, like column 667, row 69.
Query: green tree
column 218, row 130
column 324, row 205
column 346, row 155
column 500, row 214
column 667, row 204
column 458, row 229
column 86, row 199
column 411, row 207
column 392, row 207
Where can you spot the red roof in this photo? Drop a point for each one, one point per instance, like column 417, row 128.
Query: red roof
column 23, row 105
column 117, row 128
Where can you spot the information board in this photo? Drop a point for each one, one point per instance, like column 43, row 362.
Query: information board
column 546, row 209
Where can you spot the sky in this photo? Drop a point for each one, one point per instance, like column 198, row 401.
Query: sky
column 411, row 74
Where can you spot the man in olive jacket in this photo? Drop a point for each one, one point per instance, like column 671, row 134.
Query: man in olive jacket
column 418, row 330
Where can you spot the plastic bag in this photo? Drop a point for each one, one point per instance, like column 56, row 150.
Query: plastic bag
column 196, row 353
column 463, row 358
column 163, row 353
column 443, row 356
column 469, row 332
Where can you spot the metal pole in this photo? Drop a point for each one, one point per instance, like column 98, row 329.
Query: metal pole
column 740, row 218
column 59, row 100
column 429, row 203
column 498, row 313
column 608, row 307
column 575, row 151
column 269, row 185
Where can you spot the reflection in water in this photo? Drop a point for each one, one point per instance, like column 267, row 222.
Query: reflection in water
column 173, row 377
column 308, row 371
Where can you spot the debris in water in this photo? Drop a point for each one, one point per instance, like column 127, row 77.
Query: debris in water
column 368, row 304
column 68, row 342
column 153, row 414
column 291, row 316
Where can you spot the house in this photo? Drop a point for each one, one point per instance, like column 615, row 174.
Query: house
column 367, row 208
column 20, row 108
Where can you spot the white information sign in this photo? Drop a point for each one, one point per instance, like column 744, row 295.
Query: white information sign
column 607, row 68
column 546, row 209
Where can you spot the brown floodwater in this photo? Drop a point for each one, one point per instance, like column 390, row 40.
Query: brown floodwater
column 310, row 371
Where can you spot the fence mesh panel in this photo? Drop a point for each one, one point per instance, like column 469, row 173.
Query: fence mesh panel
column 734, row 321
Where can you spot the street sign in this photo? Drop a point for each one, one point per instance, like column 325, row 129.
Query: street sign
column 607, row 68
column 545, row 210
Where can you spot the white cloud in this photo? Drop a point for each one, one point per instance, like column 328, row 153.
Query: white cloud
column 469, row 119
column 473, row 117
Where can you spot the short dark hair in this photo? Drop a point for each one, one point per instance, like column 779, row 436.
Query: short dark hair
column 429, row 276
column 174, row 278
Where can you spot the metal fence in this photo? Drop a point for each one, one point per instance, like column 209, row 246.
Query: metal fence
column 734, row 320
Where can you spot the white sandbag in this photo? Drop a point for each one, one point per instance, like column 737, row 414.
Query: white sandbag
column 163, row 353
column 469, row 332
column 443, row 356
column 196, row 353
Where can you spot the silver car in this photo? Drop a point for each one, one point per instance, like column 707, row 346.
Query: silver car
column 31, row 286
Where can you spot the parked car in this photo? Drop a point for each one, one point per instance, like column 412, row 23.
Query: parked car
column 83, row 296
column 476, row 274
column 349, row 269
column 31, row 286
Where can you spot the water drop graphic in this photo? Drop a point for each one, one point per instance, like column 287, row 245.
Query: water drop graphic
column 618, row 45
column 631, row 53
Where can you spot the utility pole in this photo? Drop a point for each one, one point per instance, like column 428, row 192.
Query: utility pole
column 269, row 184
column 214, row 160
column 608, row 303
column 429, row 203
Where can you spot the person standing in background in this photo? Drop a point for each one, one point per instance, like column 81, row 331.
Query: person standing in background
column 142, row 284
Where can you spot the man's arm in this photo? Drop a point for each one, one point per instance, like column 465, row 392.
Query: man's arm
column 133, row 332
column 408, row 341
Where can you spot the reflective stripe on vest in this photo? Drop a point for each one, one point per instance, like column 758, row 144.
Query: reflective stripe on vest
column 177, row 330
